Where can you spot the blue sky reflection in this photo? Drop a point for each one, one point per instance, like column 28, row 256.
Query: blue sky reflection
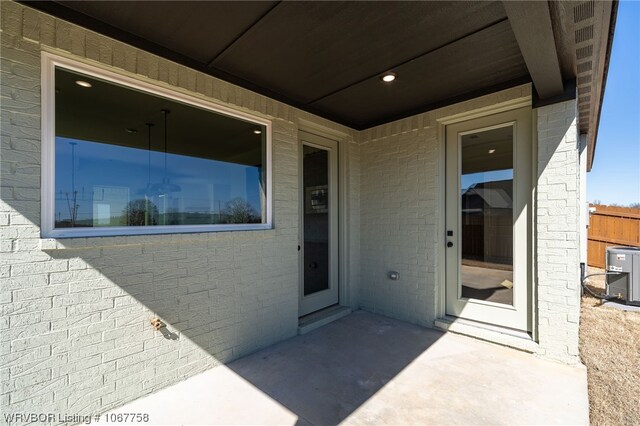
column 108, row 177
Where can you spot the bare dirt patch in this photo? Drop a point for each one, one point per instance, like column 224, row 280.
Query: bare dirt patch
column 610, row 348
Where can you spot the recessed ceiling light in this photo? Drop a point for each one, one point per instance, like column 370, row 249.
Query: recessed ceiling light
column 389, row 77
column 83, row 83
column 132, row 130
column 491, row 151
column 257, row 132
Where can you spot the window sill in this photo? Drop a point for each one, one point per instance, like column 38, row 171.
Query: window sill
column 92, row 238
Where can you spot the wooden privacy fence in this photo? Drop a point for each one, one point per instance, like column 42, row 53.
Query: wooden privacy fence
column 611, row 226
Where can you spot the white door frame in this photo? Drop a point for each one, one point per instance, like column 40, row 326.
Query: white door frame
column 519, row 315
column 321, row 299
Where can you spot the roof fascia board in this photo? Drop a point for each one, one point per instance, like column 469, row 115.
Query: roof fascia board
column 537, row 45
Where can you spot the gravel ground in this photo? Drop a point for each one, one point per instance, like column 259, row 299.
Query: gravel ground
column 610, row 348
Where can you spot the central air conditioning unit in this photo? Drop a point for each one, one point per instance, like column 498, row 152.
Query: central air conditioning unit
column 625, row 282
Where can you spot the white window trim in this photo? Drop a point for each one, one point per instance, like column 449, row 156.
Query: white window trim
column 47, row 218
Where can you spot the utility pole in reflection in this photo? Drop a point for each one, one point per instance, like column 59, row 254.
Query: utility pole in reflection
column 73, row 209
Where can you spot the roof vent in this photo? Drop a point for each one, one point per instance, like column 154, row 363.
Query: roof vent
column 585, row 67
column 584, row 52
column 584, row 80
column 583, row 11
column 584, row 34
column 584, row 99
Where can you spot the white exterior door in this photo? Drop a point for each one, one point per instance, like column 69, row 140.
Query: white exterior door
column 318, row 223
column 488, row 219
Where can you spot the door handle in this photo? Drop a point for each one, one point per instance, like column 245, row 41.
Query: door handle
column 449, row 244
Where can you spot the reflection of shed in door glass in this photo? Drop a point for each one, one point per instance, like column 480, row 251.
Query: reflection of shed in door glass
column 317, row 199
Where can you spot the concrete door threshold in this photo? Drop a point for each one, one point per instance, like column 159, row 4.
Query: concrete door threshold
column 322, row 317
column 490, row 333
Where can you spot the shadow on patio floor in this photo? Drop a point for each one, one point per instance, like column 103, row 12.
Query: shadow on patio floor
column 326, row 375
column 369, row 369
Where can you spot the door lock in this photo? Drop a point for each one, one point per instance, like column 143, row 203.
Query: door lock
column 449, row 244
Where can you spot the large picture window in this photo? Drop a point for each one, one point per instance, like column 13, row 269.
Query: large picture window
column 126, row 160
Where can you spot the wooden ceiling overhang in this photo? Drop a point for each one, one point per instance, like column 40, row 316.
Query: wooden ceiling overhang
column 327, row 57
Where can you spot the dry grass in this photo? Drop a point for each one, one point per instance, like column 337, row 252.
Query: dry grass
column 610, row 348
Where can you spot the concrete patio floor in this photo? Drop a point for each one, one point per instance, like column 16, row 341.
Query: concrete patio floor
column 369, row 369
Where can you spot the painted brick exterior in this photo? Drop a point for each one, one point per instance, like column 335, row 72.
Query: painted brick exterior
column 75, row 332
column 400, row 219
column 74, row 325
column 399, row 199
column 557, row 232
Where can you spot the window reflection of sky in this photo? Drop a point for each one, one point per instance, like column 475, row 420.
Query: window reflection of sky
column 468, row 180
column 206, row 185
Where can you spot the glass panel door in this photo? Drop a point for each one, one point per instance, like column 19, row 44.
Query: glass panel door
column 488, row 219
column 316, row 219
column 486, row 213
column 319, row 223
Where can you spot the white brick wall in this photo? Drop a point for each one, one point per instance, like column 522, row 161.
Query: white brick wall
column 400, row 211
column 74, row 327
column 399, row 199
column 74, row 330
column 400, row 220
column 558, row 229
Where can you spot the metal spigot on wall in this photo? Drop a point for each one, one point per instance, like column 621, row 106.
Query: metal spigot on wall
column 157, row 324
